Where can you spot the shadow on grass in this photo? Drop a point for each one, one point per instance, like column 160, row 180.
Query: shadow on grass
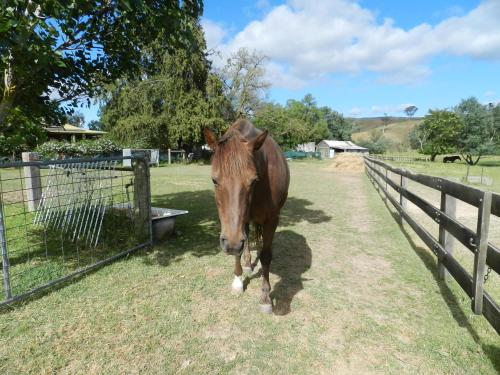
column 198, row 231
column 292, row 257
column 493, row 352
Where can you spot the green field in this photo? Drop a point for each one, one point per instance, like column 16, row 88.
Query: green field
column 352, row 295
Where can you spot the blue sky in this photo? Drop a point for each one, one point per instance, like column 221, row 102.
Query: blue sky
column 366, row 57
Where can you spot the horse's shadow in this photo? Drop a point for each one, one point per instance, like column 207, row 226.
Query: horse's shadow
column 292, row 257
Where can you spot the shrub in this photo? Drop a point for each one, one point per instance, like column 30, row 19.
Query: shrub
column 86, row 148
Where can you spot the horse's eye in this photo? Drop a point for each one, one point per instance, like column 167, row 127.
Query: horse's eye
column 215, row 181
column 254, row 181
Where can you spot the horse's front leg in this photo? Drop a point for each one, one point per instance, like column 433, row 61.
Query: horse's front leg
column 247, row 255
column 265, row 260
column 237, row 285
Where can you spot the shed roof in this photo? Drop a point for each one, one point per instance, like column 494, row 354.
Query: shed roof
column 344, row 145
column 70, row 129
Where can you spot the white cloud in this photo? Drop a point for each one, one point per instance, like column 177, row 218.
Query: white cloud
column 489, row 94
column 307, row 40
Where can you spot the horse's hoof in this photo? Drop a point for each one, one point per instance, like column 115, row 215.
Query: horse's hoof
column 266, row 309
column 237, row 285
column 247, row 269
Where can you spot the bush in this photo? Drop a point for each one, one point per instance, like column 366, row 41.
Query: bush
column 87, row 148
column 377, row 144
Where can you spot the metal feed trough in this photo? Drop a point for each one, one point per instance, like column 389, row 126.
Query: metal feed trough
column 65, row 217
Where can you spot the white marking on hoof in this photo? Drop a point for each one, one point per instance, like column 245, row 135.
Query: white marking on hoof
column 266, row 309
column 237, row 285
column 247, row 269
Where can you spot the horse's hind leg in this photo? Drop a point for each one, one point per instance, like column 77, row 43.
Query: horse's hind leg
column 265, row 260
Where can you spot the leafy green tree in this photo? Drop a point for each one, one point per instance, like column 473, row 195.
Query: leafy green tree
column 439, row 132
column 479, row 135
column 18, row 133
column 54, row 54
column 411, row 110
column 96, row 125
column 339, row 127
column 287, row 131
column 246, row 87
column 377, row 144
column 169, row 108
column 76, row 119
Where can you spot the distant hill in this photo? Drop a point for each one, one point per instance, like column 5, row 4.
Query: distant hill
column 397, row 130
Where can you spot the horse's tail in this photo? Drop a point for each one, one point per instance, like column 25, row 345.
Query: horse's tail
column 258, row 235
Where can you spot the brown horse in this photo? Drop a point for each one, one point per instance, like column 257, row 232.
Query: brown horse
column 251, row 181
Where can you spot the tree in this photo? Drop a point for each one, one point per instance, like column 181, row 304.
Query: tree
column 439, row 132
column 411, row 110
column 479, row 135
column 385, row 122
column 18, row 134
column 339, row 127
column 54, row 54
column 246, row 87
column 377, row 144
column 417, row 138
column 96, row 125
column 76, row 119
column 168, row 109
column 287, row 131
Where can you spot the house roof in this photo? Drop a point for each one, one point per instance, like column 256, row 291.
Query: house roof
column 70, row 129
column 344, row 145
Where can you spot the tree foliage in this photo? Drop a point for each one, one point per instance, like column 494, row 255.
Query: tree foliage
column 438, row 133
column 377, row 143
column 301, row 121
column 18, row 133
column 480, row 133
column 168, row 108
column 76, row 119
column 55, row 53
column 411, row 110
column 245, row 84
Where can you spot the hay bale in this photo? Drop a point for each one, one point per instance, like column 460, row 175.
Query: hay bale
column 348, row 162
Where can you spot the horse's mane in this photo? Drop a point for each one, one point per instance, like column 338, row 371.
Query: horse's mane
column 231, row 155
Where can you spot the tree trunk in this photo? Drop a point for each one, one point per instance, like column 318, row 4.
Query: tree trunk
column 433, row 157
column 5, row 107
column 8, row 91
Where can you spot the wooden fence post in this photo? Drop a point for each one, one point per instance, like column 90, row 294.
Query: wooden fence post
column 33, row 182
column 449, row 207
column 169, row 157
column 5, row 256
column 142, row 199
column 403, row 183
column 483, row 223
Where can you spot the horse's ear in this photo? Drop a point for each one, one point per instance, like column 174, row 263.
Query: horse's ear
column 259, row 140
column 210, row 138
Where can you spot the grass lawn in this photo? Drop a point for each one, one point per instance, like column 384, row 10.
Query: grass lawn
column 352, row 295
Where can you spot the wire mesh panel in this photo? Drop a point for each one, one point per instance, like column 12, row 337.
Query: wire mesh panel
column 61, row 218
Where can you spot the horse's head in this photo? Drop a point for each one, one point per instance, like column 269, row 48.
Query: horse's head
column 234, row 175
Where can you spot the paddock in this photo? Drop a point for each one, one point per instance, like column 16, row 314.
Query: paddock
column 353, row 293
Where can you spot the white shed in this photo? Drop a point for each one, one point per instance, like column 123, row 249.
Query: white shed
column 328, row 148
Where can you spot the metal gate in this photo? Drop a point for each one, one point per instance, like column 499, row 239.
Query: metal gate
column 66, row 217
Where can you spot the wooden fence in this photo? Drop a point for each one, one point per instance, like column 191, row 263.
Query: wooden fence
column 486, row 255
column 403, row 159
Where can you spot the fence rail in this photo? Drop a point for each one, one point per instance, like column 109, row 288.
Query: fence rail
column 486, row 255
column 62, row 218
column 405, row 159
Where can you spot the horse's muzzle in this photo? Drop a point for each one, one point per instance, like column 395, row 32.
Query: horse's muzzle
column 232, row 248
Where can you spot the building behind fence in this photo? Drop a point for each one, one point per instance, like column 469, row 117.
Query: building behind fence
column 486, row 254
column 62, row 218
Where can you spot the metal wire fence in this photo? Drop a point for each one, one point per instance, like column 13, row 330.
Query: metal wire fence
column 62, row 218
